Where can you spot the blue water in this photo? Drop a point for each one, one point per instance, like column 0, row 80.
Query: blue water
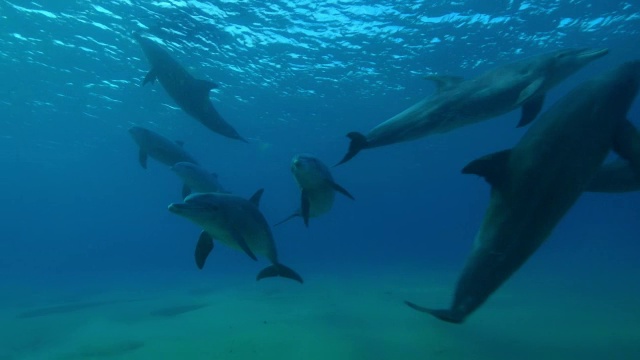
column 80, row 214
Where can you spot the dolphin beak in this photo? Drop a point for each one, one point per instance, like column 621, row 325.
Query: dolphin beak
column 176, row 208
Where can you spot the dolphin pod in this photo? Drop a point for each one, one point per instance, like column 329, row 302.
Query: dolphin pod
column 191, row 94
column 458, row 102
column 535, row 184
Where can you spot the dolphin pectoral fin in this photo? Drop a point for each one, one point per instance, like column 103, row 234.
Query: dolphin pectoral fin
column 627, row 144
column 342, row 190
column 305, row 207
column 295, row 214
column 530, row 110
column 150, row 77
column 358, row 142
column 444, row 82
column 203, row 87
column 142, row 158
column 203, row 249
column 442, row 314
column 529, row 92
column 239, row 239
column 276, row 270
column 255, row 198
column 491, row 167
column 186, row 191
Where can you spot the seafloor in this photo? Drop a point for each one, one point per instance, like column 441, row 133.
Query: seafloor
column 339, row 315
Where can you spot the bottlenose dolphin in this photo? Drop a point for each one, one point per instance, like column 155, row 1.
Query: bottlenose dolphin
column 236, row 222
column 158, row 147
column 458, row 102
column 317, row 185
column 534, row 184
column 191, row 94
column 615, row 177
column 197, row 179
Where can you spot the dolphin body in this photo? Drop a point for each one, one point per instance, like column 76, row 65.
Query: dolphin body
column 317, row 186
column 534, row 184
column 458, row 102
column 615, row 177
column 197, row 179
column 158, row 147
column 236, row 222
column 191, row 94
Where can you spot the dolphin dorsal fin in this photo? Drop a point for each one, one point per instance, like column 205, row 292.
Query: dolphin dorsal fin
column 492, row 167
column 444, row 82
column 204, row 86
column 255, row 199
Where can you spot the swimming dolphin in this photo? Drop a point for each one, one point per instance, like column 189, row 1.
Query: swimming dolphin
column 615, row 177
column 534, row 184
column 236, row 222
column 197, row 179
column 317, row 185
column 158, row 147
column 458, row 102
column 191, row 94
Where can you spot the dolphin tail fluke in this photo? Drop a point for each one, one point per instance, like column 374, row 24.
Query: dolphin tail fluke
column 294, row 215
column 442, row 314
column 358, row 142
column 276, row 270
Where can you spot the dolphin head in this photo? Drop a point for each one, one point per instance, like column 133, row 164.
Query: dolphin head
column 139, row 133
column 564, row 63
column 204, row 209
column 308, row 170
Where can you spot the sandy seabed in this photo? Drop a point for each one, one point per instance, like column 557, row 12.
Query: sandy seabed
column 335, row 316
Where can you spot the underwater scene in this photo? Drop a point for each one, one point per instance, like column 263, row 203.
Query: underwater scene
column 337, row 179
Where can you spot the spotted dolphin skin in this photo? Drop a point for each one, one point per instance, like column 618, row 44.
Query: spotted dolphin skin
column 459, row 102
column 534, row 184
column 158, row 147
column 191, row 94
column 317, row 187
column 197, row 179
column 237, row 223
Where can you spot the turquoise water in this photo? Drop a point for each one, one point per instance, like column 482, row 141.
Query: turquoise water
column 93, row 266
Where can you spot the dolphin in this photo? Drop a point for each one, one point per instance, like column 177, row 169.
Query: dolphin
column 615, row 177
column 236, row 222
column 191, row 94
column 197, row 179
column 317, row 185
column 534, row 184
column 158, row 147
column 458, row 102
